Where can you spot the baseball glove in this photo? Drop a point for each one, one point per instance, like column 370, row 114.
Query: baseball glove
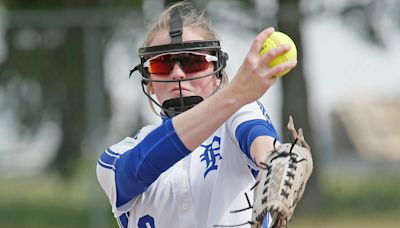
column 282, row 180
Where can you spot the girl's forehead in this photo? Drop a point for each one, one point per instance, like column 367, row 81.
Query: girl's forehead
column 161, row 37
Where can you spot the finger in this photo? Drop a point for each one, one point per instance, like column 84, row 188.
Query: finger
column 305, row 144
column 275, row 52
column 275, row 70
column 291, row 128
column 300, row 137
column 259, row 40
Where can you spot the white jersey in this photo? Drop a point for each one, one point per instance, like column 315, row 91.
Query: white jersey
column 200, row 190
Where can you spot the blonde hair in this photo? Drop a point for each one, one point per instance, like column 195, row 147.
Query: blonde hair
column 191, row 17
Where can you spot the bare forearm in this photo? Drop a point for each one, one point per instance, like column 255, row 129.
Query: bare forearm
column 197, row 124
column 261, row 147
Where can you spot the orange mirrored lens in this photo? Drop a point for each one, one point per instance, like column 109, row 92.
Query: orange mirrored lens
column 189, row 62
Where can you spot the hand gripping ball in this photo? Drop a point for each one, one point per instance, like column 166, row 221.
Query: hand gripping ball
column 273, row 41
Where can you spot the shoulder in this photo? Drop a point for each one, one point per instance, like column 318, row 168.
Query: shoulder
column 251, row 111
column 255, row 107
column 263, row 110
column 129, row 142
column 143, row 132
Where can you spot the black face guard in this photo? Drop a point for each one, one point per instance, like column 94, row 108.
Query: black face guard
column 178, row 105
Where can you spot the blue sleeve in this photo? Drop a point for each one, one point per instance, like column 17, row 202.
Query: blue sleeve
column 139, row 167
column 248, row 131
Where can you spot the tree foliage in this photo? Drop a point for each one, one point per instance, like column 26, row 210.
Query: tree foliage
column 60, row 4
column 58, row 72
column 49, row 61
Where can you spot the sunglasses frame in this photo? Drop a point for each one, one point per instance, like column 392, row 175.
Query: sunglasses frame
column 208, row 57
column 148, row 52
column 194, row 45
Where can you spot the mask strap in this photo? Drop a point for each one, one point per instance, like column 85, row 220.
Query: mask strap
column 181, row 95
column 176, row 27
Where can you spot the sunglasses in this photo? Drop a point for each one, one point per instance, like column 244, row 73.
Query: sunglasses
column 190, row 62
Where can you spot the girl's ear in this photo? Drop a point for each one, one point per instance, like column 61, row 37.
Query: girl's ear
column 217, row 82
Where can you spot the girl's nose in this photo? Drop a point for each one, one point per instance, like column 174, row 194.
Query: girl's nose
column 177, row 72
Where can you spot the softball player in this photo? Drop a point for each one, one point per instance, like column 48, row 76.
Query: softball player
column 197, row 167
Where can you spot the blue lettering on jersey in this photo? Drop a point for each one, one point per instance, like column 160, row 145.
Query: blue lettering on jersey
column 146, row 220
column 210, row 155
column 264, row 111
column 123, row 220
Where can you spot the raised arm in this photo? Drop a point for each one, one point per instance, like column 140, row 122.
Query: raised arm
column 252, row 80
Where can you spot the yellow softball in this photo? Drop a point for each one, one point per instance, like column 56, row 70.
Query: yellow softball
column 273, row 41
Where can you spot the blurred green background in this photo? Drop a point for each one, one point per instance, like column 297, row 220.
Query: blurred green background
column 65, row 96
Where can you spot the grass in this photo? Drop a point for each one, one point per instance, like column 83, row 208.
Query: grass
column 362, row 194
column 46, row 201
column 357, row 200
column 350, row 220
